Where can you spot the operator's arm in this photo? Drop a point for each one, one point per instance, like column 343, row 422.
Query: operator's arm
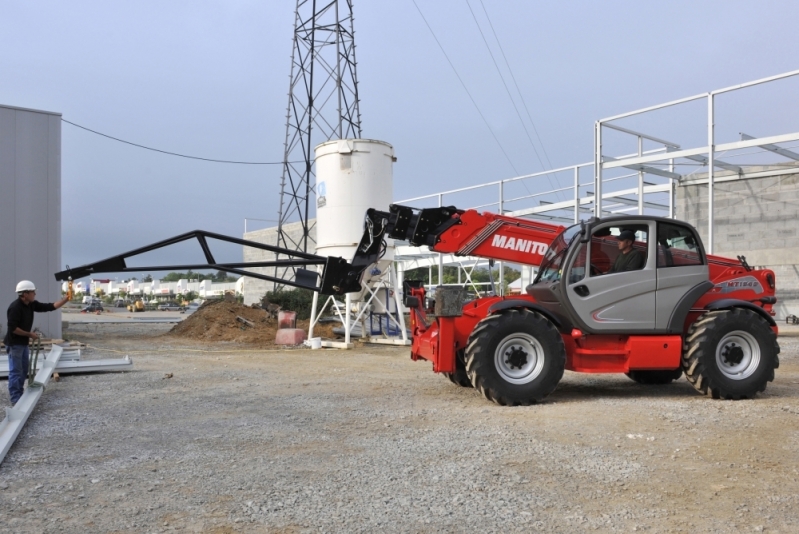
column 14, row 320
column 48, row 306
column 61, row 302
column 20, row 332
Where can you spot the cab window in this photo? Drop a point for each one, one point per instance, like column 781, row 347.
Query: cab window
column 611, row 254
column 577, row 271
column 677, row 246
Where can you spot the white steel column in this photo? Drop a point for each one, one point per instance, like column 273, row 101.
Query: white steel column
column 711, row 146
column 347, row 324
column 640, row 178
column 314, row 304
column 576, row 195
column 598, row 169
column 398, row 302
column 440, row 256
column 672, row 187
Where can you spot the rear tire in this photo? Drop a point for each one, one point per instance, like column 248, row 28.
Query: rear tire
column 655, row 377
column 460, row 377
column 515, row 358
column 730, row 354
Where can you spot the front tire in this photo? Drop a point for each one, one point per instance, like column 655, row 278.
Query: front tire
column 515, row 358
column 730, row 354
column 460, row 377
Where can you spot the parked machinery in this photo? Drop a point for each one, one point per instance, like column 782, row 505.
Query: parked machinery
column 683, row 312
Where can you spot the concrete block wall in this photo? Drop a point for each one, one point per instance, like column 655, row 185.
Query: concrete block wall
column 757, row 218
column 253, row 289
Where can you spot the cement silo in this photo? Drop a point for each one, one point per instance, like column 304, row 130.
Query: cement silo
column 353, row 175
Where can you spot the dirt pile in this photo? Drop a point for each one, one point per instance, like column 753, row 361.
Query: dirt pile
column 217, row 321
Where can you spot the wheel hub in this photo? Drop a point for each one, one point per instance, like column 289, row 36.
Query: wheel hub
column 516, row 357
column 733, row 354
column 738, row 355
column 519, row 358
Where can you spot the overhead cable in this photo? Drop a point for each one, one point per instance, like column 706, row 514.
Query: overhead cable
column 464, row 87
column 175, row 153
column 501, row 77
column 524, row 103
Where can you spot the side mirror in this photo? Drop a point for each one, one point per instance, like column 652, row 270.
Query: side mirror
column 583, row 233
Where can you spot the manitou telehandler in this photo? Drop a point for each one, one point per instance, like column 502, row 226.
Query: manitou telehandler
column 681, row 311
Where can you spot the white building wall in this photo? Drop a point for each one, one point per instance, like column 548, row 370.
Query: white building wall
column 30, row 209
column 254, row 289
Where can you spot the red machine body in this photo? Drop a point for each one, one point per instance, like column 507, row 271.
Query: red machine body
column 440, row 340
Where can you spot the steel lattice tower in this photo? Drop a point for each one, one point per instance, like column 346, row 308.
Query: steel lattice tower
column 323, row 104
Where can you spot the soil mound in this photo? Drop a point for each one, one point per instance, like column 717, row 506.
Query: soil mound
column 217, row 321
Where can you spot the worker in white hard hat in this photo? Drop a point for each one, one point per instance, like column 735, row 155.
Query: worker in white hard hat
column 20, row 332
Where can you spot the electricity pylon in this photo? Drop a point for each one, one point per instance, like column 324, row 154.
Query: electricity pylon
column 323, row 105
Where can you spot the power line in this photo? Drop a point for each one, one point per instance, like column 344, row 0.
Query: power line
column 174, row 153
column 464, row 88
column 501, row 77
column 524, row 103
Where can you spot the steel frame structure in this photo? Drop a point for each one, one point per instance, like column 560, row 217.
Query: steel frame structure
column 648, row 166
column 653, row 163
column 323, row 104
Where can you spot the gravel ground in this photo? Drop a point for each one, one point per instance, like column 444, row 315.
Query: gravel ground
column 367, row 440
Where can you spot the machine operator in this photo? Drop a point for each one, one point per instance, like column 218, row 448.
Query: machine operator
column 629, row 259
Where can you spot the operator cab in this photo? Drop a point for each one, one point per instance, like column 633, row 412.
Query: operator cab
column 623, row 274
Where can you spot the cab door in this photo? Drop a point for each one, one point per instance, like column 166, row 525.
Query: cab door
column 682, row 272
column 606, row 301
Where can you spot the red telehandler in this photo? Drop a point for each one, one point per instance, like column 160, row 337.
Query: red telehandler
column 681, row 311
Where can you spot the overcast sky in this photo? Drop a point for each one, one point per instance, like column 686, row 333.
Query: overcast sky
column 210, row 78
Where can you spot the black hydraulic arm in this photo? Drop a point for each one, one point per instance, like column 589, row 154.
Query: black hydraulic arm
column 417, row 226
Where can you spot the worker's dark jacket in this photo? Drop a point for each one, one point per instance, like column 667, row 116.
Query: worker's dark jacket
column 632, row 261
column 21, row 316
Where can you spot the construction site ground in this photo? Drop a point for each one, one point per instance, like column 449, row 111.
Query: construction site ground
column 224, row 436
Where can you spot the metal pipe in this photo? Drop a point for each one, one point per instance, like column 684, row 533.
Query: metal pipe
column 576, row 195
column 755, row 82
column 645, row 136
column 640, row 178
column 440, row 256
column 711, row 141
column 672, row 187
column 598, row 169
column 488, row 184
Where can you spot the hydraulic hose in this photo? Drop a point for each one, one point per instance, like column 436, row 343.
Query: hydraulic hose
column 37, row 347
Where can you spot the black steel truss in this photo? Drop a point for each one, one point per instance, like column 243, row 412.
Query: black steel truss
column 335, row 276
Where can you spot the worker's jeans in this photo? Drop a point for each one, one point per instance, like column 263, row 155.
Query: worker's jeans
column 17, row 370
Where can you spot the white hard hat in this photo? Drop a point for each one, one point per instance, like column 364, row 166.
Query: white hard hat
column 25, row 285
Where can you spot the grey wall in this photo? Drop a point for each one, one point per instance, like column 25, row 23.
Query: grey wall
column 757, row 218
column 253, row 288
column 30, row 209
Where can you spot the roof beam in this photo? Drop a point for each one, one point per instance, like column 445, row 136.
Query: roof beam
column 773, row 148
column 717, row 163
